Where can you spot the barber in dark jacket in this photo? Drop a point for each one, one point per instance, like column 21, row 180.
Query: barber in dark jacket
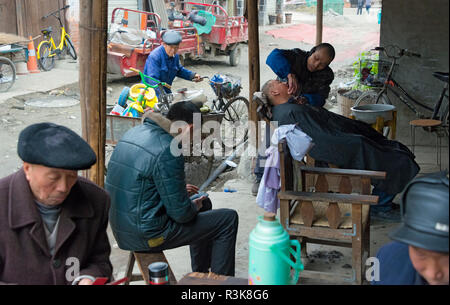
column 419, row 253
column 308, row 73
column 53, row 222
column 308, row 76
column 151, row 209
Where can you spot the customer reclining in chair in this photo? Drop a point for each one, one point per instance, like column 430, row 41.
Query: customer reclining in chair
column 344, row 142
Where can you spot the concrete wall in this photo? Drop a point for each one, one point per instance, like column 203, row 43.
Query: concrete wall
column 420, row 26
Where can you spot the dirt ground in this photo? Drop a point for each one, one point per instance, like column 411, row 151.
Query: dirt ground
column 350, row 34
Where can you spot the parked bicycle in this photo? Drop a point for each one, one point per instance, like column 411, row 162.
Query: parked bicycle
column 47, row 49
column 7, row 74
column 380, row 95
column 234, row 127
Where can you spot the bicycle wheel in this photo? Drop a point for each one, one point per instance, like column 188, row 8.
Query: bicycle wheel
column 7, row 74
column 234, row 126
column 46, row 60
column 70, row 49
column 372, row 97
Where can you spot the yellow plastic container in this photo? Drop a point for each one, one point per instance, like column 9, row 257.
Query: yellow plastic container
column 149, row 97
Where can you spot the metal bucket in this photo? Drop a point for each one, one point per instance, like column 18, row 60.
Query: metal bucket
column 369, row 113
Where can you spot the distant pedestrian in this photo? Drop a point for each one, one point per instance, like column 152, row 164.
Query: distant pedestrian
column 360, row 7
column 368, row 5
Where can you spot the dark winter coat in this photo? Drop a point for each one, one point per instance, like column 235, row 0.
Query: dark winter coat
column 147, row 187
column 24, row 253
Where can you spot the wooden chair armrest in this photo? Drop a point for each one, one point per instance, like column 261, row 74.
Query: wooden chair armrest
column 329, row 197
column 343, row 172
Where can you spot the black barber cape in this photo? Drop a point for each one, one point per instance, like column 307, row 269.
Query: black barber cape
column 351, row 144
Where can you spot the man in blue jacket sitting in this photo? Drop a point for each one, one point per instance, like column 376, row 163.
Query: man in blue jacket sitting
column 151, row 209
column 163, row 63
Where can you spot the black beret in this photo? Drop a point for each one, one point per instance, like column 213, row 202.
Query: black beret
column 54, row 146
column 172, row 37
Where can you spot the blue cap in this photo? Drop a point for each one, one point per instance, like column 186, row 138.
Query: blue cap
column 172, row 37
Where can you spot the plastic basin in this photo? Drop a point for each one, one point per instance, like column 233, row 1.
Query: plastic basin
column 369, row 113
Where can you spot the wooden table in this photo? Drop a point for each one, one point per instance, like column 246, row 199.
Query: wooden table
column 198, row 278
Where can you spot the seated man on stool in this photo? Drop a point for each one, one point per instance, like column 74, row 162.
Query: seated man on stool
column 419, row 253
column 150, row 206
column 344, row 142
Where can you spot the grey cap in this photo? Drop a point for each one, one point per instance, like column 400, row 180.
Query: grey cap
column 172, row 37
column 424, row 211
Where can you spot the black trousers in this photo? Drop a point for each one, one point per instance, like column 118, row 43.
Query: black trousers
column 211, row 237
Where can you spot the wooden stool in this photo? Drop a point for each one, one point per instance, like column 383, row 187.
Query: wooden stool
column 427, row 123
column 143, row 260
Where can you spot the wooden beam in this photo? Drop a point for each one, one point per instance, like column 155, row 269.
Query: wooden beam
column 20, row 15
column 319, row 21
column 92, row 80
column 253, row 66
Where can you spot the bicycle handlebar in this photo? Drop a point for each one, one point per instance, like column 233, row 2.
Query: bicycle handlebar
column 52, row 13
column 153, row 79
column 401, row 52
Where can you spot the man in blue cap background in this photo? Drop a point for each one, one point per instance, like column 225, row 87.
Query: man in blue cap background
column 419, row 253
column 163, row 63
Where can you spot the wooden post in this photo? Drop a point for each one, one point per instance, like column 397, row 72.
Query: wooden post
column 253, row 66
column 92, row 81
column 319, row 21
column 20, row 12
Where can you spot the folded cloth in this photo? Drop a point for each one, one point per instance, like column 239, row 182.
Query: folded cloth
column 299, row 144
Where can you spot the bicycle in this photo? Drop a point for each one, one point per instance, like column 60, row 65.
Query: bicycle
column 47, row 49
column 7, row 74
column 438, row 112
column 235, row 109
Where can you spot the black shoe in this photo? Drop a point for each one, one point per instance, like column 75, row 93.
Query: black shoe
column 386, row 216
column 255, row 188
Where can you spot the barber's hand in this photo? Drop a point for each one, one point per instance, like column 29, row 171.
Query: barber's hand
column 191, row 189
column 86, row 282
column 301, row 100
column 199, row 202
column 292, row 83
column 197, row 78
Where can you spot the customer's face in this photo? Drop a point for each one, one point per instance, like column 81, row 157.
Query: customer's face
column 431, row 265
column 50, row 186
column 280, row 87
column 318, row 60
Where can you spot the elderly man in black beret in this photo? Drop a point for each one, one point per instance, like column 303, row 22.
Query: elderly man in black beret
column 163, row 63
column 53, row 222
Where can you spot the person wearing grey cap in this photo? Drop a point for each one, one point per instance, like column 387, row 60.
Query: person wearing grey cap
column 163, row 63
column 53, row 222
column 419, row 253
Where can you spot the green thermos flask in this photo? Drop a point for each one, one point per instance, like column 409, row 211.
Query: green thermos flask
column 269, row 259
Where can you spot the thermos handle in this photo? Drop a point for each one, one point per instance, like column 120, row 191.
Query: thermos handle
column 298, row 260
column 298, row 266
